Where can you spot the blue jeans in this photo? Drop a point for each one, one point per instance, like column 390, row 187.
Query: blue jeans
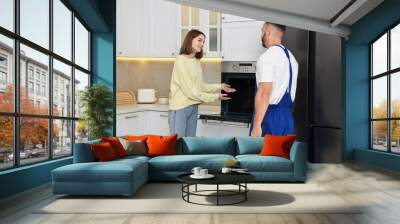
column 183, row 121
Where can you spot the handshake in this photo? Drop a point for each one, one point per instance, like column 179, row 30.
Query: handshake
column 226, row 88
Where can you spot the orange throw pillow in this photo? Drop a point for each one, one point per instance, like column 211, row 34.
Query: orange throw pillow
column 116, row 145
column 103, row 152
column 161, row 145
column 275, row 145
column 142, row 138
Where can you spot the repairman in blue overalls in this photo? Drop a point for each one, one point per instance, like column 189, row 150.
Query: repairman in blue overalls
column 276, row 78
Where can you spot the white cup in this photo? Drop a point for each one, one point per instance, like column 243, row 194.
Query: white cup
column 226, row 170
column 203, row 172
column 196, row 170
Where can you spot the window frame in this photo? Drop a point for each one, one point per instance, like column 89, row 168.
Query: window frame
column 16, row 114
column 388, row 74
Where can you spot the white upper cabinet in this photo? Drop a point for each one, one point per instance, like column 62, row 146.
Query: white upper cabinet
column 242, row 41
column 146, row 28
column 129, row 27
column 208, row 22
column 227, row 18
column 162, row 28
column 156, row 28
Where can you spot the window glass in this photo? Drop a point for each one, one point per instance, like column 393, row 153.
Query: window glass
column 379, row 98
column 6, row 142
column 62, row 29
column 81, row 82
column 33, row 139
column 213, row 16
column 6, row 74
column 395, row 95
column 7, row 14
column 395, row 47
column 379, row 135
column 62, row 91
column 395, row 136
column 213, row 39
column 379, row 56
column 195, row 16
column 184, row 15
column 62, row 138
column 81, row 45
column 34, row 21
column 31, row 58
column 81, row 131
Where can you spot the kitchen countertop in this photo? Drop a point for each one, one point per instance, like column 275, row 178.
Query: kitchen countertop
column 123, row 109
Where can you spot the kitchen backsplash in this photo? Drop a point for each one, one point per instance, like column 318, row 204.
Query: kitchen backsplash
column 134, row 75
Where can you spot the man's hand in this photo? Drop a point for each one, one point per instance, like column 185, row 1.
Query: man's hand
column 227, row 88
column 223, row 96
column 256, row 131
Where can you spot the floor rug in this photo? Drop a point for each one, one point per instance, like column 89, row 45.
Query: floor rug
column 167, row 198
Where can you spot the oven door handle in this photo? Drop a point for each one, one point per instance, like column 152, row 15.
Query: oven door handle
column 223, row 123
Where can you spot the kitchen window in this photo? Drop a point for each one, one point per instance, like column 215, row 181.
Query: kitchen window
column 384, row 91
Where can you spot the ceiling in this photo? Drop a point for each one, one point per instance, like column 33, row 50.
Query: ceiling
column 326, row 16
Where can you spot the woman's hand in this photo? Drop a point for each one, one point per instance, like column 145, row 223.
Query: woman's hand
column 223, row 96
column 227, row 88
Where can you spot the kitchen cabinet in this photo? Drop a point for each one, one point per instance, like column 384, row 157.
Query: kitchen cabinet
column 241, row 41
column 130, row 27
column 162, row 28
column 141, row 123
column 158, row 123
column 209, row 22
column 131, row 123
column 146, row 28
column 207, row 128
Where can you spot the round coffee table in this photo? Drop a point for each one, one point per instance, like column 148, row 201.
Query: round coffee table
column 238, row 179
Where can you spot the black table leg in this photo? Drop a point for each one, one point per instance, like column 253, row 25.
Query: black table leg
column 217, row 194
column 245, row 193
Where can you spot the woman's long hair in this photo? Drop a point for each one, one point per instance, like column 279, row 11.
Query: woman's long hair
column 186, row 47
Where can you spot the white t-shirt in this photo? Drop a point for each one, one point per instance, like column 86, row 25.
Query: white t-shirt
column 273, row 66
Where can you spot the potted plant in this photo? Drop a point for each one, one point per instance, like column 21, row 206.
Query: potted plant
column 96, row 102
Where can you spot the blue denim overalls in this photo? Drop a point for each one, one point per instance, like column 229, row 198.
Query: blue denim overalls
column 278, row 119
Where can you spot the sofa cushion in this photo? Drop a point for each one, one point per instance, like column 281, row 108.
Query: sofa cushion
column 185, row 163
column 249, row 145
column 116, row 144
column 207, row 145
column 277, row 145
column 112, row 171
column 161, row 145
column 257, row 163
column 136, row 147
column 103, row 152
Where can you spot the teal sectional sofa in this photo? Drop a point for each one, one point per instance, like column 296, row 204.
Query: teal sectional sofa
column 125, row 176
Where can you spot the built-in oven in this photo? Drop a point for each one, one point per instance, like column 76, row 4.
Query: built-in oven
column 241, row 76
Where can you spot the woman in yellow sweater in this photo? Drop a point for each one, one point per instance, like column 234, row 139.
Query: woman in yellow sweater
column 187, row 88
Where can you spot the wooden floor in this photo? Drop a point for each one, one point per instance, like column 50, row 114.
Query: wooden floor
column 353, row 182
